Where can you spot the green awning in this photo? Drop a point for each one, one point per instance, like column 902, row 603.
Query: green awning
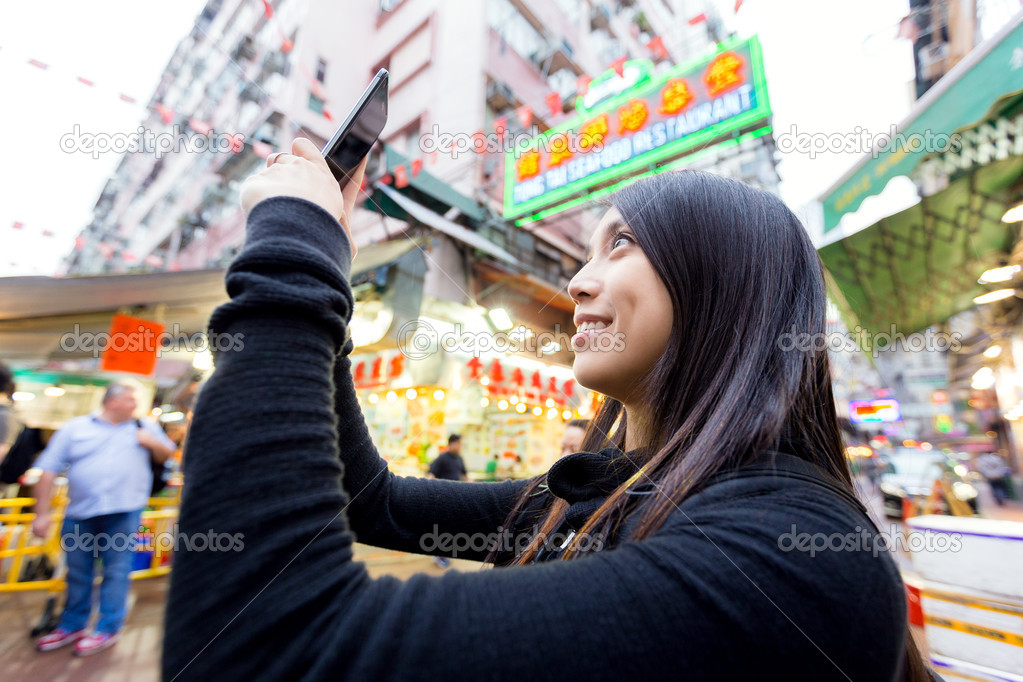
column 959, row 99
column 423, row 188
column 919, row 267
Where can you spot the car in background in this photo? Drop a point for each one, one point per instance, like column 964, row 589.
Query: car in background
column 908, row 472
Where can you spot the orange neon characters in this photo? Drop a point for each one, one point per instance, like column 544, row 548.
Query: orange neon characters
column 723, row 73
column 675, row 96
column 559, row 149
column 592, row 132
column 633, row 115
column 528, row 165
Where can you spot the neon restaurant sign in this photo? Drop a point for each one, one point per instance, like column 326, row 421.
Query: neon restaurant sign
column 660, row 119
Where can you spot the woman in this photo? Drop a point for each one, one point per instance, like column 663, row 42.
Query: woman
column 683, row 543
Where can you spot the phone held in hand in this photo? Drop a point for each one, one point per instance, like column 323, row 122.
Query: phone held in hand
column 361, row 128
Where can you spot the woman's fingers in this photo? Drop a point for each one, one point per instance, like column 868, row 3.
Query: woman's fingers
column 351, row 190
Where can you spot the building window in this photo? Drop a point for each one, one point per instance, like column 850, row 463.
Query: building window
column 321, row 71
column 315, row 103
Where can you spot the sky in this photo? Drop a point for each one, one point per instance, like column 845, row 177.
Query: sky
column 831, row 67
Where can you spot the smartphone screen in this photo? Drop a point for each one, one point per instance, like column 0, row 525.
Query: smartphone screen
column 355, row 137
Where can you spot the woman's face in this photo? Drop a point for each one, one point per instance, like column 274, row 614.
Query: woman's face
column 623, row 312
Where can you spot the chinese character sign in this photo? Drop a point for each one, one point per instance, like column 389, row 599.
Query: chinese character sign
column 687, row 108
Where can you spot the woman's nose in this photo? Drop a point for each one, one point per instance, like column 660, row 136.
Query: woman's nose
column 583, row 285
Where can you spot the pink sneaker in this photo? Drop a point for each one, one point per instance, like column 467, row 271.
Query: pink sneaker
column 58, row 638
column 95, row 643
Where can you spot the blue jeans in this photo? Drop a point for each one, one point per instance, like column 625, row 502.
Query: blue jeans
column 108, row 538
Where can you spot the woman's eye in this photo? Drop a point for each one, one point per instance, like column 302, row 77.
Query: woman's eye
column 620, row 239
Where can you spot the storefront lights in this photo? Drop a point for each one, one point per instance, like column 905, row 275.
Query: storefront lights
column 202, row 360
column 391, row 396
column 411, row 394
column 502, row 405
column 993, row 296
column 538, row 410
column 567, row 414
column 993, row 352
column 53, row 391
column 23, row 396
column 550, row 402
column 484, row 381
column 999, row 274
column 520, row 408
column 1014, row 214
column 484, row 401
column 373, row 398
column 552, row 413
column 983, row 379
column 500, row 318
column 438, row 394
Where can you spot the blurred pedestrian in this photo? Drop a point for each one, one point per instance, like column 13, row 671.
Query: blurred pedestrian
column 572, row 438
column 9, row 425
column 107, row 456
column 997, row 473
column 448, row 465
column 490, row 472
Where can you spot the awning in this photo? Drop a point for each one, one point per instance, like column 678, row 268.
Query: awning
column 920, row 266
column 963, row 96
column 422, row 188
column 441, row 224
column 35, row 312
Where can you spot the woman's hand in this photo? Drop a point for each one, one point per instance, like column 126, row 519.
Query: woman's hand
column 304, row 174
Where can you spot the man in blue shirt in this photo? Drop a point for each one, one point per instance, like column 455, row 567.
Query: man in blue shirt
column 107, row 457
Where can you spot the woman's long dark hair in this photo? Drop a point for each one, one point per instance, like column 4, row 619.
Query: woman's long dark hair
column 741, row 373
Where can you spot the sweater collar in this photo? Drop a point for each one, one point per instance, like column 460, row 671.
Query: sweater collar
column 585, row 476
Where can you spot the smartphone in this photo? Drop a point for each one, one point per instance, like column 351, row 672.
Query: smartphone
column 363, row 125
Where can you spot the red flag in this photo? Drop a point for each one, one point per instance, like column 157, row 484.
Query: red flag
column 79, row 243
column 17, row 225
column 38, row 64
column 153, row 261
column 326, row 114
column 656, row 46
column 47, row 233
column 126, row 98
column 619, row 65
column 738, row 4
column 400, row 177
column 525, row 115
column 174, row 267
column 85, row 81
column 286, row 45
column 268, row 9
column 417, row 165
column 582, row 84
column 698, row 19
column 554, row 103
column 166, row 114
column 387, row 179
column 500, row 125
column 128, row 256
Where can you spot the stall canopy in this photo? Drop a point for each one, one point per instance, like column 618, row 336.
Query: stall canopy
column 920, row 266
column 36, row 312
column 960, row 98
column 419, row 186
